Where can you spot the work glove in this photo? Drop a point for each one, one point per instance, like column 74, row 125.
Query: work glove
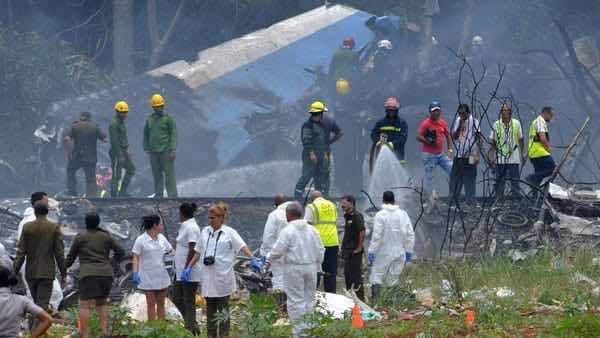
column 403, row 162
column 136, row 278
column 371, row 259
column 186, row 274
column 408, row 256
column 256, row 264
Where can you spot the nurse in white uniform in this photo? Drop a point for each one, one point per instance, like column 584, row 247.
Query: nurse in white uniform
column 149, row 270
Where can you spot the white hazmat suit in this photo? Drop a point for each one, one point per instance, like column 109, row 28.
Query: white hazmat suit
column 393, row 236
column 276, row 221
column 300, row 249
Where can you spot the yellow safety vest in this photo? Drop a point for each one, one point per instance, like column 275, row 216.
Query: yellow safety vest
column 324, row 214
column 536, row 148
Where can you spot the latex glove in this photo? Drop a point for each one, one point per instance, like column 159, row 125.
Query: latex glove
column 256, row 264
column 408, row 256
column 186, row 274
column 371, row 259
column 136, row 278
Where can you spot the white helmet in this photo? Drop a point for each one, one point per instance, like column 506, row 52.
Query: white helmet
column 384, row 44
column 477, row 40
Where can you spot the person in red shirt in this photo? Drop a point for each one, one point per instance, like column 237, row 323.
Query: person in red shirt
column 431, row 134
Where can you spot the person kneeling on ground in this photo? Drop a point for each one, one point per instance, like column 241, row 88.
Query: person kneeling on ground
column 13, row 308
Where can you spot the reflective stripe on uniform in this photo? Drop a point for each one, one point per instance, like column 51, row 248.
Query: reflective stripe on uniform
column 390, row 128
column 324, row 220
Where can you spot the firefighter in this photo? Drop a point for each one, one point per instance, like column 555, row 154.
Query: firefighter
column 81, row 144
column 392, row 128
column 344, row 64
column 316, row 153
column 120, row 156
column 160, row 142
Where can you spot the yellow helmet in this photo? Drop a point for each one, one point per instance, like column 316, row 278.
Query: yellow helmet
column 157, row 100
column 122, row 107
column 342, row 86
column 317, row 107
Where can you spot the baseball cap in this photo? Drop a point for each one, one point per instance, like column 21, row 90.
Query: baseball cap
column 434, row 105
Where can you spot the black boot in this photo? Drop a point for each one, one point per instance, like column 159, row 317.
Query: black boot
column 375, row 290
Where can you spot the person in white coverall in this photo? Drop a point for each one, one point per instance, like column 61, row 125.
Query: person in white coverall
column 29, row 216
column 276, row 221
column 300, row 248
column 391, row 244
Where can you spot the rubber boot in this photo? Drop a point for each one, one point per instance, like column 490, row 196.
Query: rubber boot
column 124, row 186
column 375, row 291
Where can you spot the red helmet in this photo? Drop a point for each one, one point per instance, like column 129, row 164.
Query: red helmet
column 348, row 43
column 392, row 103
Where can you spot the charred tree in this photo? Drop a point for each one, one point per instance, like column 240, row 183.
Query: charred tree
column 123, row 37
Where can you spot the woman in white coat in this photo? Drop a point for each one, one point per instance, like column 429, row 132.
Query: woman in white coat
column 149, row 270
column 391, row 244
column 217, row 249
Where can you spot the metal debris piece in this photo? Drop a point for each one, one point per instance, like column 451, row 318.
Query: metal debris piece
column 504, row 292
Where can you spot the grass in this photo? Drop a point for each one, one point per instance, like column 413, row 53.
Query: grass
column 546, row 301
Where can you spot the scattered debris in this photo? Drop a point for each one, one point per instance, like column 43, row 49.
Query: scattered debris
column 504, row 292
column 578, row 225
column 424, row 297
column 579, row 277
column 136, row 304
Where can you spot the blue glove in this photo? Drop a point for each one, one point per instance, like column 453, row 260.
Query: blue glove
column 408, row 256
column 136, row 278
column 186, row 274
column 256, row 264
column 371, row 259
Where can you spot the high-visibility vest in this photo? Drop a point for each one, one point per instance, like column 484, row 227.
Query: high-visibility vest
column 324, row 219
column 501, row 141
column 536, row 148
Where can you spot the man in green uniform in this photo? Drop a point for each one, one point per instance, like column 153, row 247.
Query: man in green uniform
column 41, row 246
column 119, row 152
column 315, row 153
column 81, row 143
column 160, row 142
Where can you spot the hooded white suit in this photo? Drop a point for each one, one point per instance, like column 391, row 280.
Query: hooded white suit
column 392, row 237
column 275, row 223
column 300, row 248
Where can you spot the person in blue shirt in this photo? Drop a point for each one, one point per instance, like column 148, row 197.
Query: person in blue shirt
column 391, row 129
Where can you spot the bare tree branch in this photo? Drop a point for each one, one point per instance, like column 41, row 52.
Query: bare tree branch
column 158, row 43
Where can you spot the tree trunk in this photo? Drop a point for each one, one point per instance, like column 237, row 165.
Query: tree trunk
column 465, row 43
column 123, row 37
column 156, row 41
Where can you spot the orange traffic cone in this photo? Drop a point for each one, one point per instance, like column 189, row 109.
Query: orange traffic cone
column 357, row 321
column 470, row 318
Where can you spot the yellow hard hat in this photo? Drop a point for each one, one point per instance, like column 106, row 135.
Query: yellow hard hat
column 342, row 86
column 317, row 107
column 122, row 107
column 157, row 100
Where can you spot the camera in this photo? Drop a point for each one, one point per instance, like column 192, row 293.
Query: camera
column 430, row 136
column 209, row 260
